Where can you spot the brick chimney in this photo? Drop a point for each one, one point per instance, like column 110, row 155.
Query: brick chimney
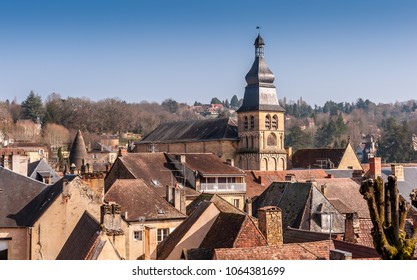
column 351, row 227
column 374, row 167
column 270, row 224
column 397, row 171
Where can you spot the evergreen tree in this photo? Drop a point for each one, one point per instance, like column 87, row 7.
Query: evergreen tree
column 215, row 100
column 32, row 107
column 234, row 102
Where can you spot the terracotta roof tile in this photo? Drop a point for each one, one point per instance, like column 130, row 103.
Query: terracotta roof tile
column 154, row 169
column 346, row 190
column 295, row 251
column 258, row 181
column 138, row 199
column 82, row 239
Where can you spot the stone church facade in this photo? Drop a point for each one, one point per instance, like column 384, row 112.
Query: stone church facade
column 255, row 142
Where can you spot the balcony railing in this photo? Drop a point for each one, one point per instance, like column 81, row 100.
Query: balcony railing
column 223, row 187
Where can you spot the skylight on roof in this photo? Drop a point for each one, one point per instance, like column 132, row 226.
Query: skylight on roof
column 156, row 182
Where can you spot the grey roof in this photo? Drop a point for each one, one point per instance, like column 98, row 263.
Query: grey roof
column 40, row 168
column 83, row 240
column 195, row 130
column 29, row 214
column 404, row 187
column 78, row 150
column 16, row 191
column 260, row 93
column 300, row 204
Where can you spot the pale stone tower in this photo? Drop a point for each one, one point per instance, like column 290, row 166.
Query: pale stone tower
column 261, row 119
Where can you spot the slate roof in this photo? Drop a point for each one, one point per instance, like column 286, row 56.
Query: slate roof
column 40, row 168
column 295, row 235
column 29, row 214
column 254, row 187
column 16, row 191
column 358, row 251
column 207, row 164
column 404, row 187
column 194, row 130
column 318, row 250
column 299, row 203
column 84, row 241
column 138, row 199
column 78, row 150
column 153, row 168
column 309, row 158
column 345, row 190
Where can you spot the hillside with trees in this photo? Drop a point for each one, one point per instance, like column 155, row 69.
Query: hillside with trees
column 331, row 125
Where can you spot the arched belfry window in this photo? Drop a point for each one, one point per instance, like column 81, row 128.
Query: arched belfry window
column 268, row 122
column 252, row 122
column 245, row 123
column 275, row 122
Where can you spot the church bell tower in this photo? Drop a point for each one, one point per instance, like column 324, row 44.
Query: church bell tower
column 261, row 119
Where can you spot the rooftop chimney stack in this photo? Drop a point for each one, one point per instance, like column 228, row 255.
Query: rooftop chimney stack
column 375, row 167
column 270, row 224
column 397, row 171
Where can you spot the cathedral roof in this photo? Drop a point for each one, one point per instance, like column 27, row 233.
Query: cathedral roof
column 194, row 130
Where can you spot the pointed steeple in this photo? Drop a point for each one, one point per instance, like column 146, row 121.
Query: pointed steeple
column 78, row 151
column 260, row 92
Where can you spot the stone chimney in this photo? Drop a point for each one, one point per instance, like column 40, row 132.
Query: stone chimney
column 270, row 224
column 176, row 197
column 352, row 227
column 179, row 200
column 374, row 167
column 111, row 219
column 397, row 171
column 65, row 190
column 249, row 206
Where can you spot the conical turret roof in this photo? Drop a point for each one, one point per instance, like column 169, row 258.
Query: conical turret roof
column 78, row 151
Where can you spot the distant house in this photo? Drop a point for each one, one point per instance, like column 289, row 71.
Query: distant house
column 14, row 159
column 341, row 159
column 34, row 151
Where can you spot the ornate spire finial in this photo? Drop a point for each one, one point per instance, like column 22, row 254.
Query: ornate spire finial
column 259, row 30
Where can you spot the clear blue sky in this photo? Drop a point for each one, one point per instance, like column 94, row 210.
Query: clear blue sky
column 194, row 50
